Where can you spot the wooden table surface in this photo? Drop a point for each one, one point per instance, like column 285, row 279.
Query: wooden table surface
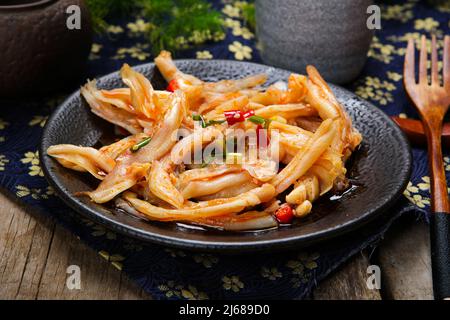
column 35, row 253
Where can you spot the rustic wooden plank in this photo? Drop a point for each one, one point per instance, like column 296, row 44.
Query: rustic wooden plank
column 348, row 282
column 35, row 253
column 405, row 262
column 99, row 279
column 34, row 256
column 24, row 242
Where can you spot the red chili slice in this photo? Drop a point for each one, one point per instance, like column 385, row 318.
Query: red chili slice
column 249, row 113
column 173, row 85
column 284, row 214
column 234, row 116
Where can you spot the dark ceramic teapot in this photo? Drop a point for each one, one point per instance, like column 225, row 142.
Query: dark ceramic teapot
column 39, row 50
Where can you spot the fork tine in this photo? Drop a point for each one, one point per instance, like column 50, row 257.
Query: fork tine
column 434, row 62
column 447, row 61
column 423, row 61
column 409, row 72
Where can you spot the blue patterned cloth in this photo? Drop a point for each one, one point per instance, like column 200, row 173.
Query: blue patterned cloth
column 174, row 274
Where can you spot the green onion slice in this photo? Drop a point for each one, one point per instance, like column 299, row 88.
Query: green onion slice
column 199, row 117
column 257, row 119
column 140, row 144
column 204, row 123
column 212, row 122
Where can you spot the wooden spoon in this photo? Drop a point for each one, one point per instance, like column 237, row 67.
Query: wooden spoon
column 416, row 134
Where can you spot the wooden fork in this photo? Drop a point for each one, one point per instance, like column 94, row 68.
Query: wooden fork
column 432, row 101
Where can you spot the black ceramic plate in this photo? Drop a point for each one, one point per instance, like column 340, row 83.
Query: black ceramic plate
column 379, row 170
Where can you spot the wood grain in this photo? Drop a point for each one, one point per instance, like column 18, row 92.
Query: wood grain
column 35, row 253
column 416, row 134
column 431, row 102
column 348, row 282
column 34, row 256
column 406, row 265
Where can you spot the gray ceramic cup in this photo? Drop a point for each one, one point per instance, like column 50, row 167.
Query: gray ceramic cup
column 332, row 35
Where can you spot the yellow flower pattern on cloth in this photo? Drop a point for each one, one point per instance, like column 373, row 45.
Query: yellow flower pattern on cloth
column 171, row 290
column 427, row 24
column 412, row 193
column 376, row 90
column 231, row 11
column 232, row 283
column 410, row 189
column 37, row 194
column 424, row 185
column 100, row 231
column 174, row 253
column 191, row 293
column 3, row 124
column 443, row 6
column 38, row 120
column 114, row 29
column 3, row 162
column 205, row 54
column 419, row 200
column 230, row 23
column 96, row 48
column 394, row 76
column 243, row 32
column 384, row 52
column 400, row 12
column 271, row 273
column 207, row 260
column 240, row 51
column 115, row 259
column 237, row 29
column 138, row 52
column 447, row 163
column 302, row 267
column 95, row 51
column 416, row 36
column 32, row 159
column 139, row 26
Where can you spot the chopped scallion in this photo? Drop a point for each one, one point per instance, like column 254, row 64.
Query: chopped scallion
column 257, row 119
column 140, row 144
column 212, row 122
column 267, row 124
column 199, row 117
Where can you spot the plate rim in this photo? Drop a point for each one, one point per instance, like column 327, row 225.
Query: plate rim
column 223, row 246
